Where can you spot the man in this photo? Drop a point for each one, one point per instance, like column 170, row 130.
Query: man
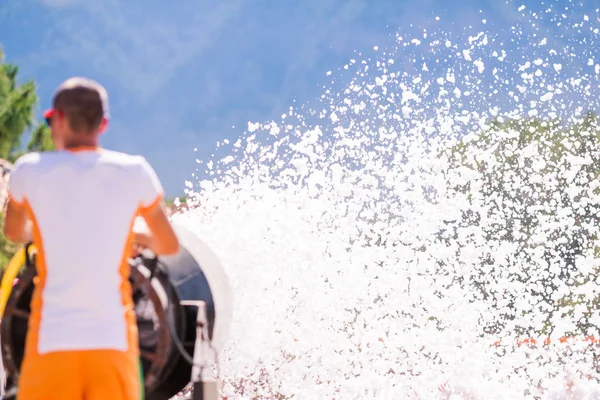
column 77, row 205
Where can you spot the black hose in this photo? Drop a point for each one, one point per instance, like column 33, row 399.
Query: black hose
column 175, row 338
column 170, row 323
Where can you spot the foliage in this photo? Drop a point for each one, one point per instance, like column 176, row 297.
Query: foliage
column 530, row 188
column 17, row 104
column 40, row 140
column 176, row 200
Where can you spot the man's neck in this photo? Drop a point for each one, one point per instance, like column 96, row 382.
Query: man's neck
column 78, row 141
column 80, row 146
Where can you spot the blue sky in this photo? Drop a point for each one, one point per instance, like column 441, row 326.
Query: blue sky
column 182, row 73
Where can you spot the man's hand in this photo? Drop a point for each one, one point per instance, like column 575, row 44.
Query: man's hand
column 142, row 238
column 152, row 230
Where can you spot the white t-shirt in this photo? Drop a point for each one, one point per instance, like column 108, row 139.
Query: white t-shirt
column 82, row 205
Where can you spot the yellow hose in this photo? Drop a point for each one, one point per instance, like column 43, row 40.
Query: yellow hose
column 10, row 274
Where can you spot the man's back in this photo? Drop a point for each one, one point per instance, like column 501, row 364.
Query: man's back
column 82, row 205
column 81, row 202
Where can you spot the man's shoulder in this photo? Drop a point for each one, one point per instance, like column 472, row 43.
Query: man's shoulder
column 133, row 161
column 28, row 163
column 32, row 158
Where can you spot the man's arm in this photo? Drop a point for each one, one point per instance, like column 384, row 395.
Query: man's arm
column 161, row 238
column 17, row 226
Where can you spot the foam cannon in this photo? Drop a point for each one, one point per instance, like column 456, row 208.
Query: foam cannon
column 183, row 308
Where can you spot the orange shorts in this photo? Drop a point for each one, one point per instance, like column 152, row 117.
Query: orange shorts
column 79, row 375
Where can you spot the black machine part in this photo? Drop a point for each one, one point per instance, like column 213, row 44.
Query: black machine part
column 167, row 329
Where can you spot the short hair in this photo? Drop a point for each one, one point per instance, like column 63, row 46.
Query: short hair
column 84, row 102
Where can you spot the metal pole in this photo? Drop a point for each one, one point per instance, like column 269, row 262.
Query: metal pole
column 204, row 383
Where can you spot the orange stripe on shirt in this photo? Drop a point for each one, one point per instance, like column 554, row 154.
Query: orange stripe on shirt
column 39, row 281
column 126, row 291
column 144, row 209
column 15, row 201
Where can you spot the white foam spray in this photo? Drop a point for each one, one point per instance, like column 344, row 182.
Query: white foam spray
column 380, row 244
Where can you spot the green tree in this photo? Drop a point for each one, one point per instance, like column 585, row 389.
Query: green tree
column 17, row 104
column 530, row 187
column 41, row 140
